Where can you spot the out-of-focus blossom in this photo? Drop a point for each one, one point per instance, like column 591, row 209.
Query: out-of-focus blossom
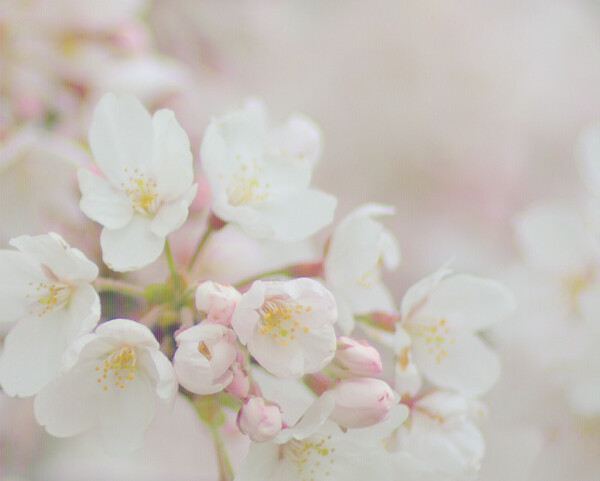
column 361, row 402
column 440, row 314
column 218, row 301
column 45, row 287
column 358, row 248
column 260, row 178
column 259, row 420
column 113, row 381
column 287, row 326
column 147, row 187
column 203, row 361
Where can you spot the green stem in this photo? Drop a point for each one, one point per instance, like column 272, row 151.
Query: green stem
column 172, row 269
column 225, row 470
column 103, row 284
column 198, row 248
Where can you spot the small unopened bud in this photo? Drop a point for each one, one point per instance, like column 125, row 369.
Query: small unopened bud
column 361, row 402
column 259, row 420
column 218, row 301
column 240, row 385
column 358, row 357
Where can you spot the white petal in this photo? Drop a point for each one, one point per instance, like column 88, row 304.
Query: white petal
column 375, row 433
column 468, row 302
column 553, row 237
column 283, row 361
column 260, row 463
column 52, row 251
column 121, row 136
column 172, row 215
column 166, row 382
column 368, row 298
column 171, row 157
column 299, row 137
column 32, row 353
column 345, row 317
column 311, row 420
column 73, row 403
column 417, row 294
column 469, row 365
column 131, row 247
column 301, row 216
column 126, row 330
column 84, row 309
column 102, row 202
column 318, row 348
column 128, row 414
column 192, row 369
column 16, row 272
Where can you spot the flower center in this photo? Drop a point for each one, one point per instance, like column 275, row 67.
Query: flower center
column 49, row 296
column 142, row 193
column 279, row 319
column 119, row 368
column 312, row 457
column 244, row 186
column 436, row 337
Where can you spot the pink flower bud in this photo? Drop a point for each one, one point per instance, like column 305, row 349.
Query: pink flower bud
column 218, row 301
column 358, row 357
column 361, row 402
column 260, row 421
column 240, row 386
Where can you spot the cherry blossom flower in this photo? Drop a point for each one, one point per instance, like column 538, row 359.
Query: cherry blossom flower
column 218, row 301
column 260, row 420
column 287, row 326
column 147, row 187
column 45, row 287
column 112, row 381
column 260, row 178
column 352, row 267
column 203, row 361
column 440, row 314
column 316, row 448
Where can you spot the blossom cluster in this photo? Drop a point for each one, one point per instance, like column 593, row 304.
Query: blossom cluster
column 392, row 392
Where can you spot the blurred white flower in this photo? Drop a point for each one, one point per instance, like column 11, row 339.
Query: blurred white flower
column 45, row 287
column 148, row 186
column 287, row 326
column 260, row 178
column 203, row 361
column 440, row 314
column 352, row 267
column 113, row 380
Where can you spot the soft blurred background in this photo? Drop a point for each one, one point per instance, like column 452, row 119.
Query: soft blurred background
column 458, row 113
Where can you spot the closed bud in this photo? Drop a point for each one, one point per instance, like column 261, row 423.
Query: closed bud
column 260, row 420
column 218, row 301
column 358, row 357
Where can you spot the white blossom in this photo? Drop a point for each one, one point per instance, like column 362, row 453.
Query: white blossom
column 287, row 326
column 147, row 184
column 440, row 314
column 112, row 381
column 358, row 247
column 260, row 178
column 45, row 287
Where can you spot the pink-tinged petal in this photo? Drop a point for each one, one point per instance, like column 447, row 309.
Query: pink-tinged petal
column 129, row 412
column 16, row 272
column 52, row 251
column 171, row 161
column 84, row 309
column 172, row 215
column 131, row 247
column 128, row 331
column 193, row 370
column 467, row 366
column 102, row 202
column 72, row 403
column 299, row 217
column 32, row 353
column 468, row 302
column 121, row 137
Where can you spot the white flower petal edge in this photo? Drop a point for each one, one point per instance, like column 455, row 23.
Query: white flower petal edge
column 112, row 382
column 45, row 287
column 318, row 449
column 287, row 326
column 148, row 187
column 440, row 314
column 260, row 179
column 358, row 247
